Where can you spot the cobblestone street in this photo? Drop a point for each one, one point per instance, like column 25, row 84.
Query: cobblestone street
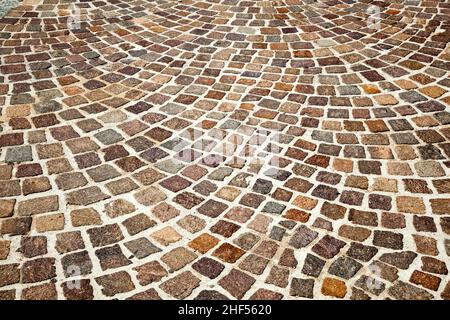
column 225, row 149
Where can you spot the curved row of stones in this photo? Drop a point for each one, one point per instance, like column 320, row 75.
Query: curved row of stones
column 225, row 149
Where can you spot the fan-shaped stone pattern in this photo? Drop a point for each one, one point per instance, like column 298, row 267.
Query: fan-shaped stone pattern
column 276, row 149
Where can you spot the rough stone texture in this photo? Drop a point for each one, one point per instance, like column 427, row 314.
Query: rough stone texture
column 115, row 283
column 81, row 290
column 344, row 268
column 10, row 274
column 150, row 272
column 178, row 258
column 302, row 288
column 208, row 267
column 334, row 288
column 181, row 286
column 51, row 222
column 85, row 217
column 302, row 237
column 69, row 241
column 4, row 249
column 33, row 246
column 76, row 263
column 111, row 257
column 105, row 235
column 37, row 206
column 406, row 291
column 40, row 292
column 237, row 283
column 38, row 270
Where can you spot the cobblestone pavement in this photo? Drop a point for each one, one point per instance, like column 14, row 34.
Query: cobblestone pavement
column 218, row 149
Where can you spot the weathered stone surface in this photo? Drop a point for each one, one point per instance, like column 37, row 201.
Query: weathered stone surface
column 237, row 283
column 115, row 283
column 40, row 292
column 38, row 205
column 67, row 181
column 228, row 253
column 344, row 268
column 15, row 226
column 150, row 294
column 119, row 207
column 328, row 247
column 10, row 274
column 78, row 263
column 401, row 260
column 141, row 247
column 208, row 267
column 105, row 235
column 334, row 288
column 210, row 295
column 302, row 288
column 33, row 246
column 51, row 222
column 302, row 237
column 111, row 257
column 138, row 223
column 178, row 258
column 405, row 291
column 6, row 207
column 361, row 252
column 181, row 286
column 85, row 217
column 38, row 270
column 69, row 241
column 4, row 249
column 86, row 196
column 150, row 272
column 81, row 291
column 150, row 196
